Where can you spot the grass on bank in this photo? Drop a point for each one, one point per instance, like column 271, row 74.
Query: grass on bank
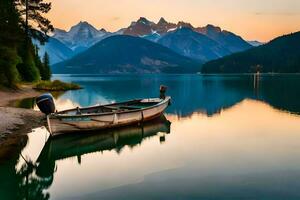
column 56, row 86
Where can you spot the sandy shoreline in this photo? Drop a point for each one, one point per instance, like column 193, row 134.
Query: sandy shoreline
column 25, row 91
column 14, row 121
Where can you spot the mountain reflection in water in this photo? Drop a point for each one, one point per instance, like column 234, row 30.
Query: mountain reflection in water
column 248, row 151
column 190, row 93
column 232, row 137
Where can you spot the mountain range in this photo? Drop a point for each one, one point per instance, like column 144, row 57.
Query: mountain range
column 281, row 55
column 221, row 43
column 202, row 44
column 127, row 54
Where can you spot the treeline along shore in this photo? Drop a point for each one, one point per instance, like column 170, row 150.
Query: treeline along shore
column 21, row 21
column 21, row 67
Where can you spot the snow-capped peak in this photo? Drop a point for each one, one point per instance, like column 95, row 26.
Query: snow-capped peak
column 81, row 36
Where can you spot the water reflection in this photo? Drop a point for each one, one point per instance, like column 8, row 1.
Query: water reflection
column 29, row 103
column 190, row 93
column 33, row 177
column 11, row 182
column 231, row 138
column 229, row 156
column 17, row 167
column 248, row 151
column 80, row 144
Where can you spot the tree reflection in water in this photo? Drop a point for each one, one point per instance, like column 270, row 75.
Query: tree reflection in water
column 33, row 179
column 31, row 185
column 19, row 183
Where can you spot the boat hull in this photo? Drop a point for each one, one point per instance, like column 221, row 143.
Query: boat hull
column 60, row 125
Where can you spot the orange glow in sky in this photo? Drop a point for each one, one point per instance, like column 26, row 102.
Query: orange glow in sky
column 252, row 19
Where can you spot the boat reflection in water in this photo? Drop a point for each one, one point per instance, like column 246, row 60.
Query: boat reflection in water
column 77, row 145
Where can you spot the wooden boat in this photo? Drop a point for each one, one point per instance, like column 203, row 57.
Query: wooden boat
column 106, row 116
column 102, row 116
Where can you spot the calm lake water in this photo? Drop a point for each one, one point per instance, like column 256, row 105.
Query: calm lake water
column 224, row 137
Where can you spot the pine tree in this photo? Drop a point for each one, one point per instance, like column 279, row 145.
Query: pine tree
column 38, row 62
column 18, row 57
column 9, row 38
column 27, row 68
column 9, row 59
column 46, row 63
column 33, row 12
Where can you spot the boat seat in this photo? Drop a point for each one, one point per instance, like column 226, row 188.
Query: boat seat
column 130, row 107
column 112, row 107
column 123, row 108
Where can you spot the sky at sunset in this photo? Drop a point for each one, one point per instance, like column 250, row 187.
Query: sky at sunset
column 252, row 19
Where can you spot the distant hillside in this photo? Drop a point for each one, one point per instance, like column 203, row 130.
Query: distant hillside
column 228, row 39
column 56, row 50
column 127, row 54
column 281, row 55
column 194, row 45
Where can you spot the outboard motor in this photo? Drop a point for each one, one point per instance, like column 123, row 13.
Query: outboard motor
column 45, row 102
